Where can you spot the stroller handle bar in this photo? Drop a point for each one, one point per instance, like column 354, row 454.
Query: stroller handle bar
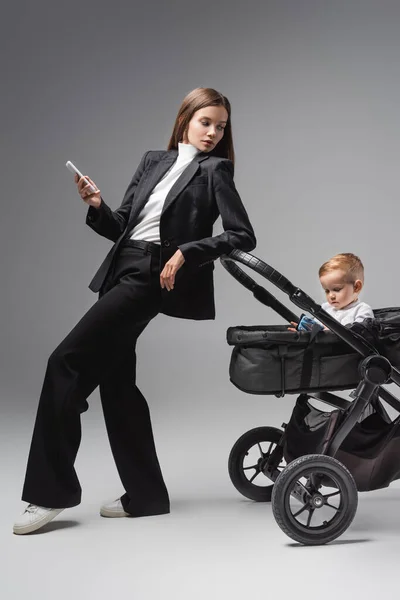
column 296, row 295
column 259, row 292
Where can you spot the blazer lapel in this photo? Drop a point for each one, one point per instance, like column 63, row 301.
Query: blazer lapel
column 183, row 180
column 155, row 175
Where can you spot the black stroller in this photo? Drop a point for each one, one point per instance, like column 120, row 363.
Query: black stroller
column 319, row 460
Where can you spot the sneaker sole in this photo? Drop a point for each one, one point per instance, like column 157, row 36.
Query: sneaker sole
column 24, row 529
column 106, row 512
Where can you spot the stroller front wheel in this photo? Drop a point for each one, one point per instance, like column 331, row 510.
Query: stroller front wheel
column 247, row 461
column 304, row 504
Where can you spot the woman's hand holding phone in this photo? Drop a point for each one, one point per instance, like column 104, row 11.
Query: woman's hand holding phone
column 87, row 189
column 85, row 186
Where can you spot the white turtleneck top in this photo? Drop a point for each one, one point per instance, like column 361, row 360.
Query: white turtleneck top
column 148, row 225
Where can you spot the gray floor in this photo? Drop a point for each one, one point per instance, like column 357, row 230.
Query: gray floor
column 215, row 544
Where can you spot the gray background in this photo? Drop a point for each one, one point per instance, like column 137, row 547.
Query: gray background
column 315, row 92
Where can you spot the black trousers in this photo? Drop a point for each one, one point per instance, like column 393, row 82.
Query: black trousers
column 100, row 351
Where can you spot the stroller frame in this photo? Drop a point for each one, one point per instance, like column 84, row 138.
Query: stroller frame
column 375, row 370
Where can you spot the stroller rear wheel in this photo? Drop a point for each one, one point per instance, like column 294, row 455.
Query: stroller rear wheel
column 314, row 499
column 248, row 459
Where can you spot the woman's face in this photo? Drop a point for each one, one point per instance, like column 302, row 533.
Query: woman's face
column 206, row 128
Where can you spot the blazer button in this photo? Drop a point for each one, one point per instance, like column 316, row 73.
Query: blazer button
column 166, row 243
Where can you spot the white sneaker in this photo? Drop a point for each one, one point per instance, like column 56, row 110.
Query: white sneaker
column 34, row 518
column 113, row 509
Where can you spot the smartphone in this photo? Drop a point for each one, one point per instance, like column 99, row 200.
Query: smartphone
column 308, row 324
column 71, row 167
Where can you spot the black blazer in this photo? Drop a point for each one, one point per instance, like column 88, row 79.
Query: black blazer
column 204, row 191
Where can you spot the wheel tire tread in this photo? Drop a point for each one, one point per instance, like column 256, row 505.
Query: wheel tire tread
column 277, row 495
column 246, row 441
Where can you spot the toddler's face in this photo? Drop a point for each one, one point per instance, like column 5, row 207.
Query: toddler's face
column 339, row 293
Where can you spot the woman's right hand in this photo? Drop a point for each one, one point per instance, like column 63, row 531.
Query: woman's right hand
column 92, row 199
column 294, row 328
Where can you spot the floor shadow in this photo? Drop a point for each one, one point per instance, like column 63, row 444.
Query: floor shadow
column 334, row 543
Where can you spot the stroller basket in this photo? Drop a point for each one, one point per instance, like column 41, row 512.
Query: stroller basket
column 370, row 451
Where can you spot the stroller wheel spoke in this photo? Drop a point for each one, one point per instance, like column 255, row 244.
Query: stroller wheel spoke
column 260, row 449
column 252, row 478
column 332, row 506
column 251, row 467
column 310, row 517
column 315, row 481
column 305, row 507
column 331, row 495
column 269, row 449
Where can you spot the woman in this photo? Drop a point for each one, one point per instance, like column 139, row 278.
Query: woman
column 162, row 261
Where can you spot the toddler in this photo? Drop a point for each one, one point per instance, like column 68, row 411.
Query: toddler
column 342, row 278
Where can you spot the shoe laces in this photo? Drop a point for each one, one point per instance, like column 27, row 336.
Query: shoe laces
column 31, row 508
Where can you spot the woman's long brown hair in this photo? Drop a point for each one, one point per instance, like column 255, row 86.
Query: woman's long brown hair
column 194, row 101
